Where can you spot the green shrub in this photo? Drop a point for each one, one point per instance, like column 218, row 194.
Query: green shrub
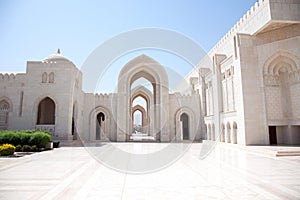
column 25, row 138
column 9, row 137
column 34, row 148
column 26, row 148
column 40, row 139
column 7, row 149
column 29, row 137
column 55, row 144
column 19, row 148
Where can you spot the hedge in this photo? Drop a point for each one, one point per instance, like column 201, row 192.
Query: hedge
column 38, row 138
column 7, row 149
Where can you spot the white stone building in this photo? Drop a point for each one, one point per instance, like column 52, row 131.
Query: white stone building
column 246, row 91
column 250, row 81
column 49, row 97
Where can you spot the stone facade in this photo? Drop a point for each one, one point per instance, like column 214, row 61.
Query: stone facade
column 249, row 82
column 49, row 97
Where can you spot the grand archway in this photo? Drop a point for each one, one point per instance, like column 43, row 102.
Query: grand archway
column 150, row 70
column 281, row 86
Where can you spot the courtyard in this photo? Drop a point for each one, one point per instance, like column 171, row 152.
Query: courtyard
column 228, row 172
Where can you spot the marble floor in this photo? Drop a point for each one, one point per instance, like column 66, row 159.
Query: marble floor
column 226, row 173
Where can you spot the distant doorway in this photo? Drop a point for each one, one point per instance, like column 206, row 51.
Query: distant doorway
column 100, row 125
column 272, row 135
column 185, row 126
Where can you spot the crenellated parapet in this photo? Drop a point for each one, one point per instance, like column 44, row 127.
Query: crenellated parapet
column 252, row 13
column 103, row 96
column 7, row 76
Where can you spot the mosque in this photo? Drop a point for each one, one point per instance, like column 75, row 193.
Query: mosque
column 245, row 91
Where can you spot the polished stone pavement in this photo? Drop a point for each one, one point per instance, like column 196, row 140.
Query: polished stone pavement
column 226, row 173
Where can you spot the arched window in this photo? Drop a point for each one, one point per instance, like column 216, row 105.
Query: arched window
column 44, row 77
column 51, row 77
column 46, row 111
column 4, row 109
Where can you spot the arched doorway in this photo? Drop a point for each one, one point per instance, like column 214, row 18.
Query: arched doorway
column 139, row 119
column 228, row 133
column 184, row 118
column 234, row 133
column 4, row 111
column 100, row 125
column 222, row 138
column 142, row 99
column 46, row 112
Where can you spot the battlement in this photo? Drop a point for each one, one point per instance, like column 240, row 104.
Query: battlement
column 264, row 15
column 7, row 76
column 251, row 13
column 102, row 95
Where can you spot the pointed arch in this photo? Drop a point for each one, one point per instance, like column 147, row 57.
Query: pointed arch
column 281, row 56
column 5, row 108
column 8, row 102
column 46, row 112
column 222, row 138
column 147, row 68
column 228, row 132
column 144, row 114
column 105, row 124
column 234, row 133
column 44, row 77
column 51, row 77
column 184, row 128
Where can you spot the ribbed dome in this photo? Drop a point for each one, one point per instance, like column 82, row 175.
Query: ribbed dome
column 57, row 57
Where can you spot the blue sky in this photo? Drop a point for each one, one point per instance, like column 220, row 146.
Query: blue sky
column 31, row 30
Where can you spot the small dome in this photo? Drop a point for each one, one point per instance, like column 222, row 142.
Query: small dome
column 57, row 57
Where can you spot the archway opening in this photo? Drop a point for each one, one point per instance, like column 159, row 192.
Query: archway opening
column 141, row 98
column 46, row 112
column 139, row 113
column 222, row 138
column 142, row 82
column 74, row 125
column 146, row 69
column 234, row 133
column 137, row 121
column 141, row 101
column 4, row 110
column 184, row 118
column 100, row 125
column 228, row 133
